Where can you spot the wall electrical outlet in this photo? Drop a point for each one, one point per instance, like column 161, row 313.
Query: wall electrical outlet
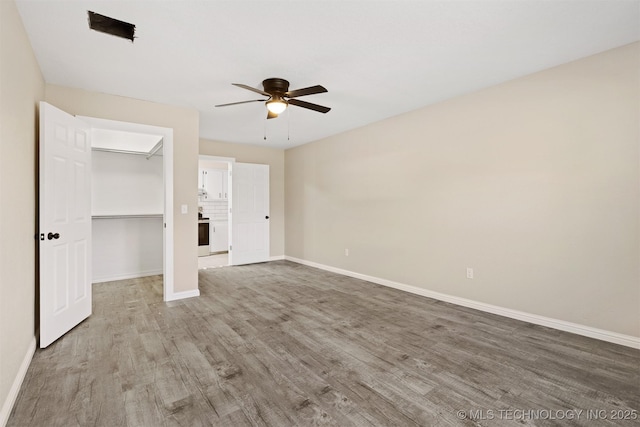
column 346, row 252
column 184, row 209
column 469, row 273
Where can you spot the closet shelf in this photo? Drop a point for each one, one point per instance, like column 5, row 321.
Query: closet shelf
column 123, row 216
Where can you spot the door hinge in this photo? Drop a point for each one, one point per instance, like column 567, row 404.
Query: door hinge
column 230, row 247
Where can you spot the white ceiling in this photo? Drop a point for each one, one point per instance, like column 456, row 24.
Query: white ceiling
column 377, row 58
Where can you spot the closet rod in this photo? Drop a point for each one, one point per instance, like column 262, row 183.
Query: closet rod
column 148, row 155
column 109, row 150
column 124, row 216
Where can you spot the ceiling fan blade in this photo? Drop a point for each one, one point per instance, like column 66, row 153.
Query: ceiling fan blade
column 241, row 102
column 271, row 115
column 308, row 105
column 253, row 89
column 305, row 91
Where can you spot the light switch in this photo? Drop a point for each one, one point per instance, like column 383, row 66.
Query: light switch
column 184, row 209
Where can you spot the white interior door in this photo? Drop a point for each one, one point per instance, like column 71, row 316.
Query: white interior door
column 250, row 210
column 65, row 222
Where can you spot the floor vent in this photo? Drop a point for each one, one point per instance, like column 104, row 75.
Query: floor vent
column 107, row 25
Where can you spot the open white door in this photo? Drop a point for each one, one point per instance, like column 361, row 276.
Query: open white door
column 250, row 210
column 65, row 222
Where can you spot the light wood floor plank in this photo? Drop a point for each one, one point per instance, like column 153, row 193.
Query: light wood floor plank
column 281, row 344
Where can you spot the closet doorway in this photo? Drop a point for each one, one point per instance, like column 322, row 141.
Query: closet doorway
column 131, row 201
column 65, row 218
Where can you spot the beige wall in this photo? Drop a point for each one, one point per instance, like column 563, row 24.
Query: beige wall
column 533, row 183
column 184, row 122
column 263, row 155
column 21, row 88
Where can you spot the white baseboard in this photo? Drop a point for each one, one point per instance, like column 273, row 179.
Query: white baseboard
column 587, row 331
column 126, row 276
column 276, row 258
column 182, row 295
column 7, row 406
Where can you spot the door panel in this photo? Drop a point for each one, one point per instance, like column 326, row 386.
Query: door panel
column 250, row 224
column 59, row 200
column 65, row 222
column 60, row 278
column 80, row 213
column 82, row 261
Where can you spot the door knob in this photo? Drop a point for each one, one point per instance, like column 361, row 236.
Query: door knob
column 53, row 236
column 266, row 217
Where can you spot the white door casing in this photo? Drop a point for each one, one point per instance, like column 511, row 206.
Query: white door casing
column 167, row 155
column 250, row 210
column 64, row 222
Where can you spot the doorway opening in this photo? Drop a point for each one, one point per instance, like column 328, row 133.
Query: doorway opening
column 132, row 201
column 215, row 219
column 65, row 216
column 236, row 207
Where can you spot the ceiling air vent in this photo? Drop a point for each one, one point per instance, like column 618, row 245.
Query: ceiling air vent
column 115, row 27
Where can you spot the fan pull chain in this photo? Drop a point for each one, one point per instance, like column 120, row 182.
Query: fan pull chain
column 288, row 123
column 265, row 129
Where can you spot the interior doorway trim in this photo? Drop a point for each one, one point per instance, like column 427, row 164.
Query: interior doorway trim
column 230, row 161
column 167, row 163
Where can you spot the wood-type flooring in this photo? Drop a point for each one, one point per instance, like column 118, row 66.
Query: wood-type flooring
column 281, row 344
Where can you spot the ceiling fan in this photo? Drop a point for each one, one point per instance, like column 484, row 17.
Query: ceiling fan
column 279, row 97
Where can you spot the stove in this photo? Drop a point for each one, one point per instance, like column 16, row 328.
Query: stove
column 203, row 236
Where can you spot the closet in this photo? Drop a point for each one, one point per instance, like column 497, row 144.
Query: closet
column 127, row 203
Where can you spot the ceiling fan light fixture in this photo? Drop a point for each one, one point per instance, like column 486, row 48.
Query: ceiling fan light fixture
column 276, row 105
column 279, row 97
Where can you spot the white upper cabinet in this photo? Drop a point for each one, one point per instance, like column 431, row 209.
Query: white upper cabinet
column 213, row 183
column 200, row 180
